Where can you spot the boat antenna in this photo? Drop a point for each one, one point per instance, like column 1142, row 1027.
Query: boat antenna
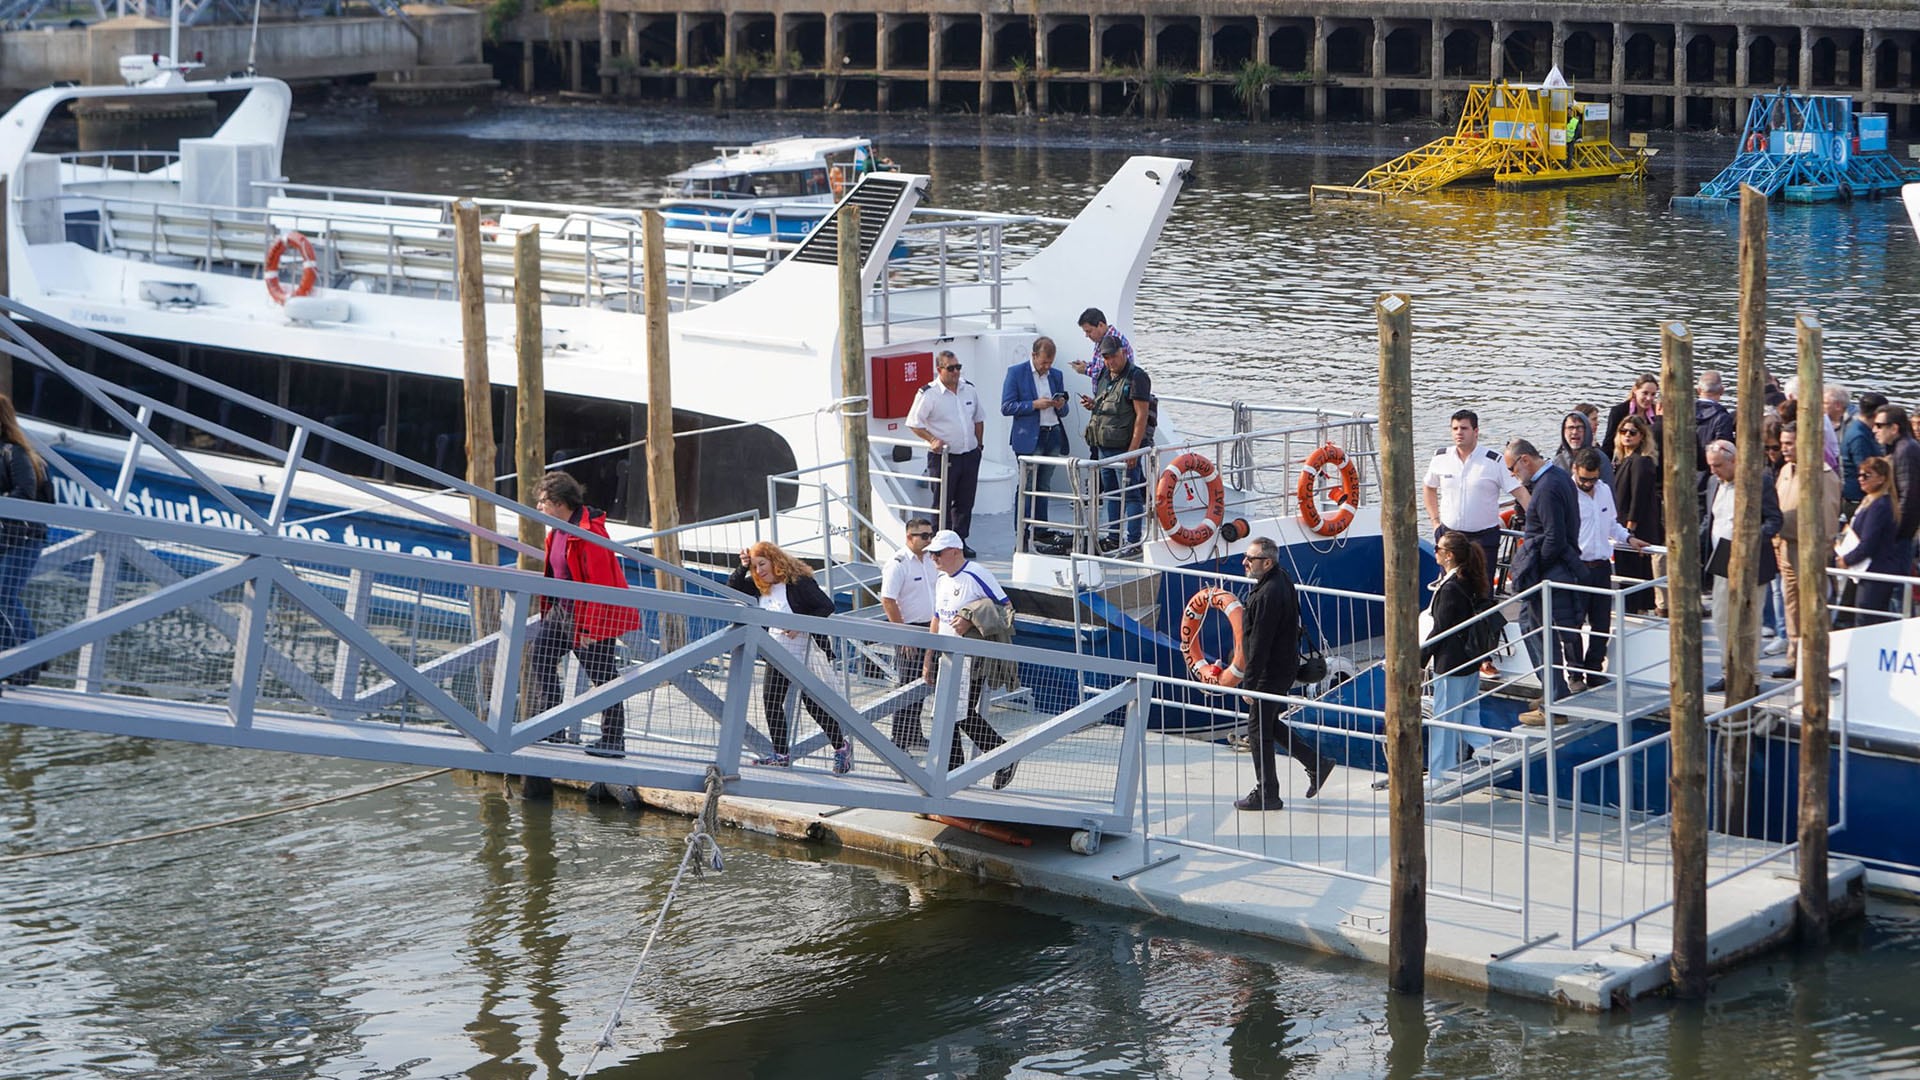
column 253, row 41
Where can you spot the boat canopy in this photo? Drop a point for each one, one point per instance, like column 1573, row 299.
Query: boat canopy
column 771, row 155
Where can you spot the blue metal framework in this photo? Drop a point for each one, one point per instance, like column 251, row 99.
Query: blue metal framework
column 1806, row 148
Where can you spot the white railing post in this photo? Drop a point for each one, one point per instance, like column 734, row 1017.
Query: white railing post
column 248, row 646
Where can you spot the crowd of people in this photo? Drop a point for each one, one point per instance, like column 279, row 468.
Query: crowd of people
column 1591, row 512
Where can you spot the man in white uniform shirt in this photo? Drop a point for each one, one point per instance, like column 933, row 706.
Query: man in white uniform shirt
column 906, row 592
column 1600, row 530
column 962, row 581
column 946, row 414
column 1463, row 488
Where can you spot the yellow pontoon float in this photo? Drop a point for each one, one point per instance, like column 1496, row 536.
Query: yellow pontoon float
column 1518, row 135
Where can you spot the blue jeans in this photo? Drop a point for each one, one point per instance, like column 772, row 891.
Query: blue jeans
column 1565, row 614
column 16, row 567
column 1053, row 443
column 1122, row 486
column 1455, row 700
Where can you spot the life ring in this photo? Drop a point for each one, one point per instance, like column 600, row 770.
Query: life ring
column 837, row 181
column 308, row 275
column 1204, row 669
column 1345, row 497
column 1185, row 469
column 1754, row 142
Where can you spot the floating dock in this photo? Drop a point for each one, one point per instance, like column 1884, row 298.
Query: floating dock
column 1516, row 135
column 1806, row 148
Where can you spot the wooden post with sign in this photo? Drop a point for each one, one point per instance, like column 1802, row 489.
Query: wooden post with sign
column 1400, row 536
column 1687, row 776
column 663, row 499
column 853, row 384
column 477, row 382
column 530, row 408
column 1740, row 656
column 1815, row 537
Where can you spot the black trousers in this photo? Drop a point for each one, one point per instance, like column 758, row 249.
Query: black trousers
column 909, row 733
column 1596, row 611
column 956, row 502
column 1266, row 734
column 552, row 640
column 774, row 701
column 984, row 737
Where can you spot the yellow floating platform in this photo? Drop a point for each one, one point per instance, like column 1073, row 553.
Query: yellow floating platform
column 1516, row 136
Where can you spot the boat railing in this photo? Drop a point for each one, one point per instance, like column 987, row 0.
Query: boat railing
column 1260, row 473
column 1862, row 597
column 113, row 164
column 1622, row 811
column 809, row 511
column 902, row 483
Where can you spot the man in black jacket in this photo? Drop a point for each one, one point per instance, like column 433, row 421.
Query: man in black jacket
column 1549, row 551
column 1272, row 626
column 1895, row 435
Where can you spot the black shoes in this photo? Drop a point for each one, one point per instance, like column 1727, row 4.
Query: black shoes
column 1259, row 800
column 1320, row 773
column 1717, row 686
column 606, row 747
column 1004, row 777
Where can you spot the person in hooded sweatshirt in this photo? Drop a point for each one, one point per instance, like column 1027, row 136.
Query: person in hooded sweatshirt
column 1576, row 434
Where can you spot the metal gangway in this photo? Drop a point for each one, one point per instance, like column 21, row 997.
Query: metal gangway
column 206, row 617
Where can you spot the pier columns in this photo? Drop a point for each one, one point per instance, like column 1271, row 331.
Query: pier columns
column 1679, row 75
column 1437, row 100
column 575, row 70
column 526, row 66
column 1206, row 66
column 986, row 63
column 1617, row 94
column 882, row 63
column 1319, row 67
column 1806, row 59
column 1379, row 69
column 1742, row 39
column 1497, row 52
column 680, row 58
column 1869, row 41
column 934, row 24
column 1095, row 92
column 780, row 44
column 604, row 26
column 1262, row 47
column 1560, row 47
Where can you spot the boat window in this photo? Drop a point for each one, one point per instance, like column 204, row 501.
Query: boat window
column 429, row 426
column 141, row 379
column 786, row 184
column 818, row 183
column 578, row 427
column 249, row 373
column 723, row 473
column 45, row 395
column 351, row 399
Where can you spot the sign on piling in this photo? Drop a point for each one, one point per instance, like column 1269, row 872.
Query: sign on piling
column 1687, row 777
column 530, row 400
column 1740, row 653
column 1815, row 534
column 1400, row 536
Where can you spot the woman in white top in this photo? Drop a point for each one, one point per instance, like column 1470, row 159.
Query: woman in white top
column 783, row 583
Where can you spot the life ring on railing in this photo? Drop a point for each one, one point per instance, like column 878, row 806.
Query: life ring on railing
column 1204, row 669
column 1186, row 469
column 1755, row 141
column 308, row 274
column 837, row 181
column 1345, row 497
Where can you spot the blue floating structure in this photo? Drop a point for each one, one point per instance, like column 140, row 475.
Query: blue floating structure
column 1806, row 148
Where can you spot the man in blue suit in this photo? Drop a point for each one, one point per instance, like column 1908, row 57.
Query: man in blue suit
column 1035, row 396
column 1549, row 551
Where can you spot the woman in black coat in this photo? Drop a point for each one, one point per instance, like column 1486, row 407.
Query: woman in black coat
column 1875, row 546
column 1636, row 465
column 1457, row 600
column 782, row 583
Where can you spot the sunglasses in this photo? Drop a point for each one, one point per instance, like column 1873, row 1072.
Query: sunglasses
column 920, row 536
column 951, row 367
column 1884, row 423
column 1586, row 481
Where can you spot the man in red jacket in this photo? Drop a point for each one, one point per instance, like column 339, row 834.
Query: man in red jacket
column 588, row 628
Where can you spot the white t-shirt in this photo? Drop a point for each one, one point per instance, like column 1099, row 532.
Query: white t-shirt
column 954, row 592
column 1470, row 490
column 1723, row 513
column 775, row 599
column 908, row 582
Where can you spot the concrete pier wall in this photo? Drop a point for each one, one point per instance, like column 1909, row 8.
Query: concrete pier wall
column 1683, row 65
column 309, row 49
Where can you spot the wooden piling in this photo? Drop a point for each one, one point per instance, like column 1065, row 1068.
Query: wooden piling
column 1687, row 776
column 530, row 400
column 477, row 382
column 663, row 500
column 1815, row 535
column 853, row 382
column 1740, row 656
column 1400, row 536
column 6, row 278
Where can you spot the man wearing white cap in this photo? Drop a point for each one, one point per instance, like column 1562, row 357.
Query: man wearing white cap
column 962, row 582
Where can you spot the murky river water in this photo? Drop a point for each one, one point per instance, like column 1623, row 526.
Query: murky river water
column 441, row 929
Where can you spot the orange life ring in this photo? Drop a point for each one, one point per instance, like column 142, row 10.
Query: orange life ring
column 1186, row 469
column 837, row 181
column 1207, row 671
column 1345, row 497
column 308, row 274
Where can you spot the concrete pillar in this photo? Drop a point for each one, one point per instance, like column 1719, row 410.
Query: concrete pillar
column 526, row 65
column 1806, row 59
column 1205, row 90
column 680, row 51
column 1149, row 43
column 1616, row 94
column 986, row 62
column 1742, row 39
column 632, row 51
column 934, row 26
column 1679, row 76
column 1319, row 91
column 1497, row 52
column 1437, row 61
column 1262, row 49
column 1559, row 48
column 1095, row 92
column 573, row 65
column 1869, row 41
column 1040, row 65
column 882, row 45
column 1379, row 70
column 605, row 28
column 780, row 59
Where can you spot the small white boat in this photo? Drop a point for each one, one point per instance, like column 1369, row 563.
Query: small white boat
column 778, row 187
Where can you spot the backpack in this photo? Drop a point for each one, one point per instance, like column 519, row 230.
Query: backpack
column 1487, row 633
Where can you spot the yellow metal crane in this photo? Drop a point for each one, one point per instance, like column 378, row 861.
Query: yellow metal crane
column 1517, row 135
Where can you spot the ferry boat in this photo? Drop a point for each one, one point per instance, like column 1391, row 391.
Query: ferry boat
column 188, row 255
column 779, row 187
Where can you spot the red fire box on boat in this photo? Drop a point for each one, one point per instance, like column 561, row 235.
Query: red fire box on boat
column 895, row 379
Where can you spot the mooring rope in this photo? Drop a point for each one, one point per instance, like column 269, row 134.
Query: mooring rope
column 342, row 797
column 704, row 826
